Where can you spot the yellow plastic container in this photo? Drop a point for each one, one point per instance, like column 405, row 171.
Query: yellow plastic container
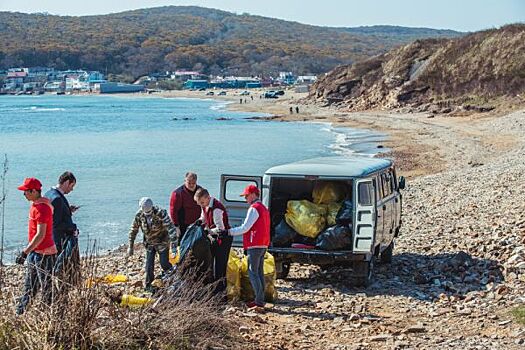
column 233, row 276
column 270, row 278
column 133, row 301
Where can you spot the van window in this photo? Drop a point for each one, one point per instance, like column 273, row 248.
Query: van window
column 385, row 181
column 233, row 189
column 366, row 193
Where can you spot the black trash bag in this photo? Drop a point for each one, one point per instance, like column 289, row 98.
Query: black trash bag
column 195, row 250
column 335, row 238
column 304, row 240
column 344, row 215
column 283, row 235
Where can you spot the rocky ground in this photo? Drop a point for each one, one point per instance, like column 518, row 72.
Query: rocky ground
column 459, row 263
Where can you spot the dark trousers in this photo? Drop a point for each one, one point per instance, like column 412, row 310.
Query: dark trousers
column 67, row 265
column 220, row 254
column 38, row 276
column 150, row 261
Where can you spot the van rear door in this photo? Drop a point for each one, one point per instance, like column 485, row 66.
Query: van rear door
column 231, row 188
column 364, row 220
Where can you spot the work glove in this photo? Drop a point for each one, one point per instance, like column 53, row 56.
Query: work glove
column 174, row 246
column 21, row 258
column 130, row 250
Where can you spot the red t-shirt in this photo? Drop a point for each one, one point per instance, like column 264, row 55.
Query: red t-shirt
column 41, row 212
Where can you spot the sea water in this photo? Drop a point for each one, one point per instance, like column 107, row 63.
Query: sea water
column 124, row 148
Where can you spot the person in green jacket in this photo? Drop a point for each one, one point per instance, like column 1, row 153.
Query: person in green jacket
column 158, row 231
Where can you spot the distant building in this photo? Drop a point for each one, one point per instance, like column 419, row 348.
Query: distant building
column 185, row 75
column 196, row 84
column 110, row 87
column 305, row 79
column 286, row 78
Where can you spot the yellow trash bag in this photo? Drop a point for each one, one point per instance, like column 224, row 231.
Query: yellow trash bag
column 306, row 218
column 133, row 301
column 331, row 213
column 326, row 192
column 108, row 279
column 174, row 257
column 270, row 277
column 233, row 276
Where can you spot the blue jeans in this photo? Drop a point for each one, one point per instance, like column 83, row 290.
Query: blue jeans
column 256, row 273
column 68, row 260
column 38, row 276
column 150, row 261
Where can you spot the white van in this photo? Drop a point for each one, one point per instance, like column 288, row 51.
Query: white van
column 372, row 187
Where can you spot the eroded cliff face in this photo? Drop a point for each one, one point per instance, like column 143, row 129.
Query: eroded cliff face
column 439, row 75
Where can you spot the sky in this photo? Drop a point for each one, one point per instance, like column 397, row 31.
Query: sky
column 462, row 15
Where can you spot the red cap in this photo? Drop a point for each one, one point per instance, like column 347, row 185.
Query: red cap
column 30, row 183
column 250, row 189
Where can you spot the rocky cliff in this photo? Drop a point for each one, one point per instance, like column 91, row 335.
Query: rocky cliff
column 438, row 75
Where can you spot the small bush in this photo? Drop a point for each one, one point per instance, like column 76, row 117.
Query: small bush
column 519, row 314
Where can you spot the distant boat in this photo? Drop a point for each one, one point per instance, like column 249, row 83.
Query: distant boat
column 61, row 92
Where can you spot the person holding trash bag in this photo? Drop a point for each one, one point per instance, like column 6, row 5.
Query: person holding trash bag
column 256, row 239
column 158, row 231
column 183, row 209
column 214, row 215
column 41, row 250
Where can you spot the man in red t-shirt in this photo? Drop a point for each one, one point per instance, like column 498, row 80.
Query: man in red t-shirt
column 41, row 250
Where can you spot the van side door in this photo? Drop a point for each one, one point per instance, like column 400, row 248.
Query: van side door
column 231, row 188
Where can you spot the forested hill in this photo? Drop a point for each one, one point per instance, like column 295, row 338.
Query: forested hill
column 477, row 72
column 136, row 42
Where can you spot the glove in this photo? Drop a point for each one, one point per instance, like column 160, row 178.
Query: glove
column 174, row 246
column 215, row 231
column 21, row 258
column 130, row 250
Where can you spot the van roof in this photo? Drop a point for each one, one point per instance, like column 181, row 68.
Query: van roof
column 357, row 166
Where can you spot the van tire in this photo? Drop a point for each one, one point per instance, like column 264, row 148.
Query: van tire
column 363, row 273
column 386, row 255
column 283, row 272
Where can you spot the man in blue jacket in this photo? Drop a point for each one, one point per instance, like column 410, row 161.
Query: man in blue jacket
column 65, row 232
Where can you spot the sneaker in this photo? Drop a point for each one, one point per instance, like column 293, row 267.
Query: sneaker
column 253, row 304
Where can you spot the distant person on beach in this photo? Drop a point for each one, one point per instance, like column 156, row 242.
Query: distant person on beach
column 41, row 250
column 65, row 232
column 240, row 101
column 256, row 239
column 158, row 231
column 184, row 211
column 297, row 109
column 291, row 110
column 213, row 216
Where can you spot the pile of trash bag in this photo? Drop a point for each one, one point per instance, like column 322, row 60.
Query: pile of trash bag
column 332, row 209
column 196, row 245
column 233, row 276
column 305, row 217
column 336, row 237
column 326, row 192
column 270, row 277
column 284, row 235
column 344, row 215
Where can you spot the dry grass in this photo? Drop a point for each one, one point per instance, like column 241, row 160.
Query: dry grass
column 185, row 315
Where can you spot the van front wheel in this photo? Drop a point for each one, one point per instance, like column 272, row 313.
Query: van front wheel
column 362, row 273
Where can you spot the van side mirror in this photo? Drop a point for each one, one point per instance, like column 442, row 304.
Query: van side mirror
column 401, row 183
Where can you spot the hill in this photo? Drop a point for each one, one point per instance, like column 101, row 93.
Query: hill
column 165, row 38
column 433, row 74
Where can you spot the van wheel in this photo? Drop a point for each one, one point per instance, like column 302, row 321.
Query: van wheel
column 363, row 273
column 386, row 255
column 283, row 271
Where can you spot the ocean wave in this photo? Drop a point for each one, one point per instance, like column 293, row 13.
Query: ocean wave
column 220, row 105
column 43, row 109
column 354, row 142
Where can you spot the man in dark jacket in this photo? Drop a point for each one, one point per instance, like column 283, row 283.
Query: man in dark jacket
column 65, row 232
column 184, row 211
